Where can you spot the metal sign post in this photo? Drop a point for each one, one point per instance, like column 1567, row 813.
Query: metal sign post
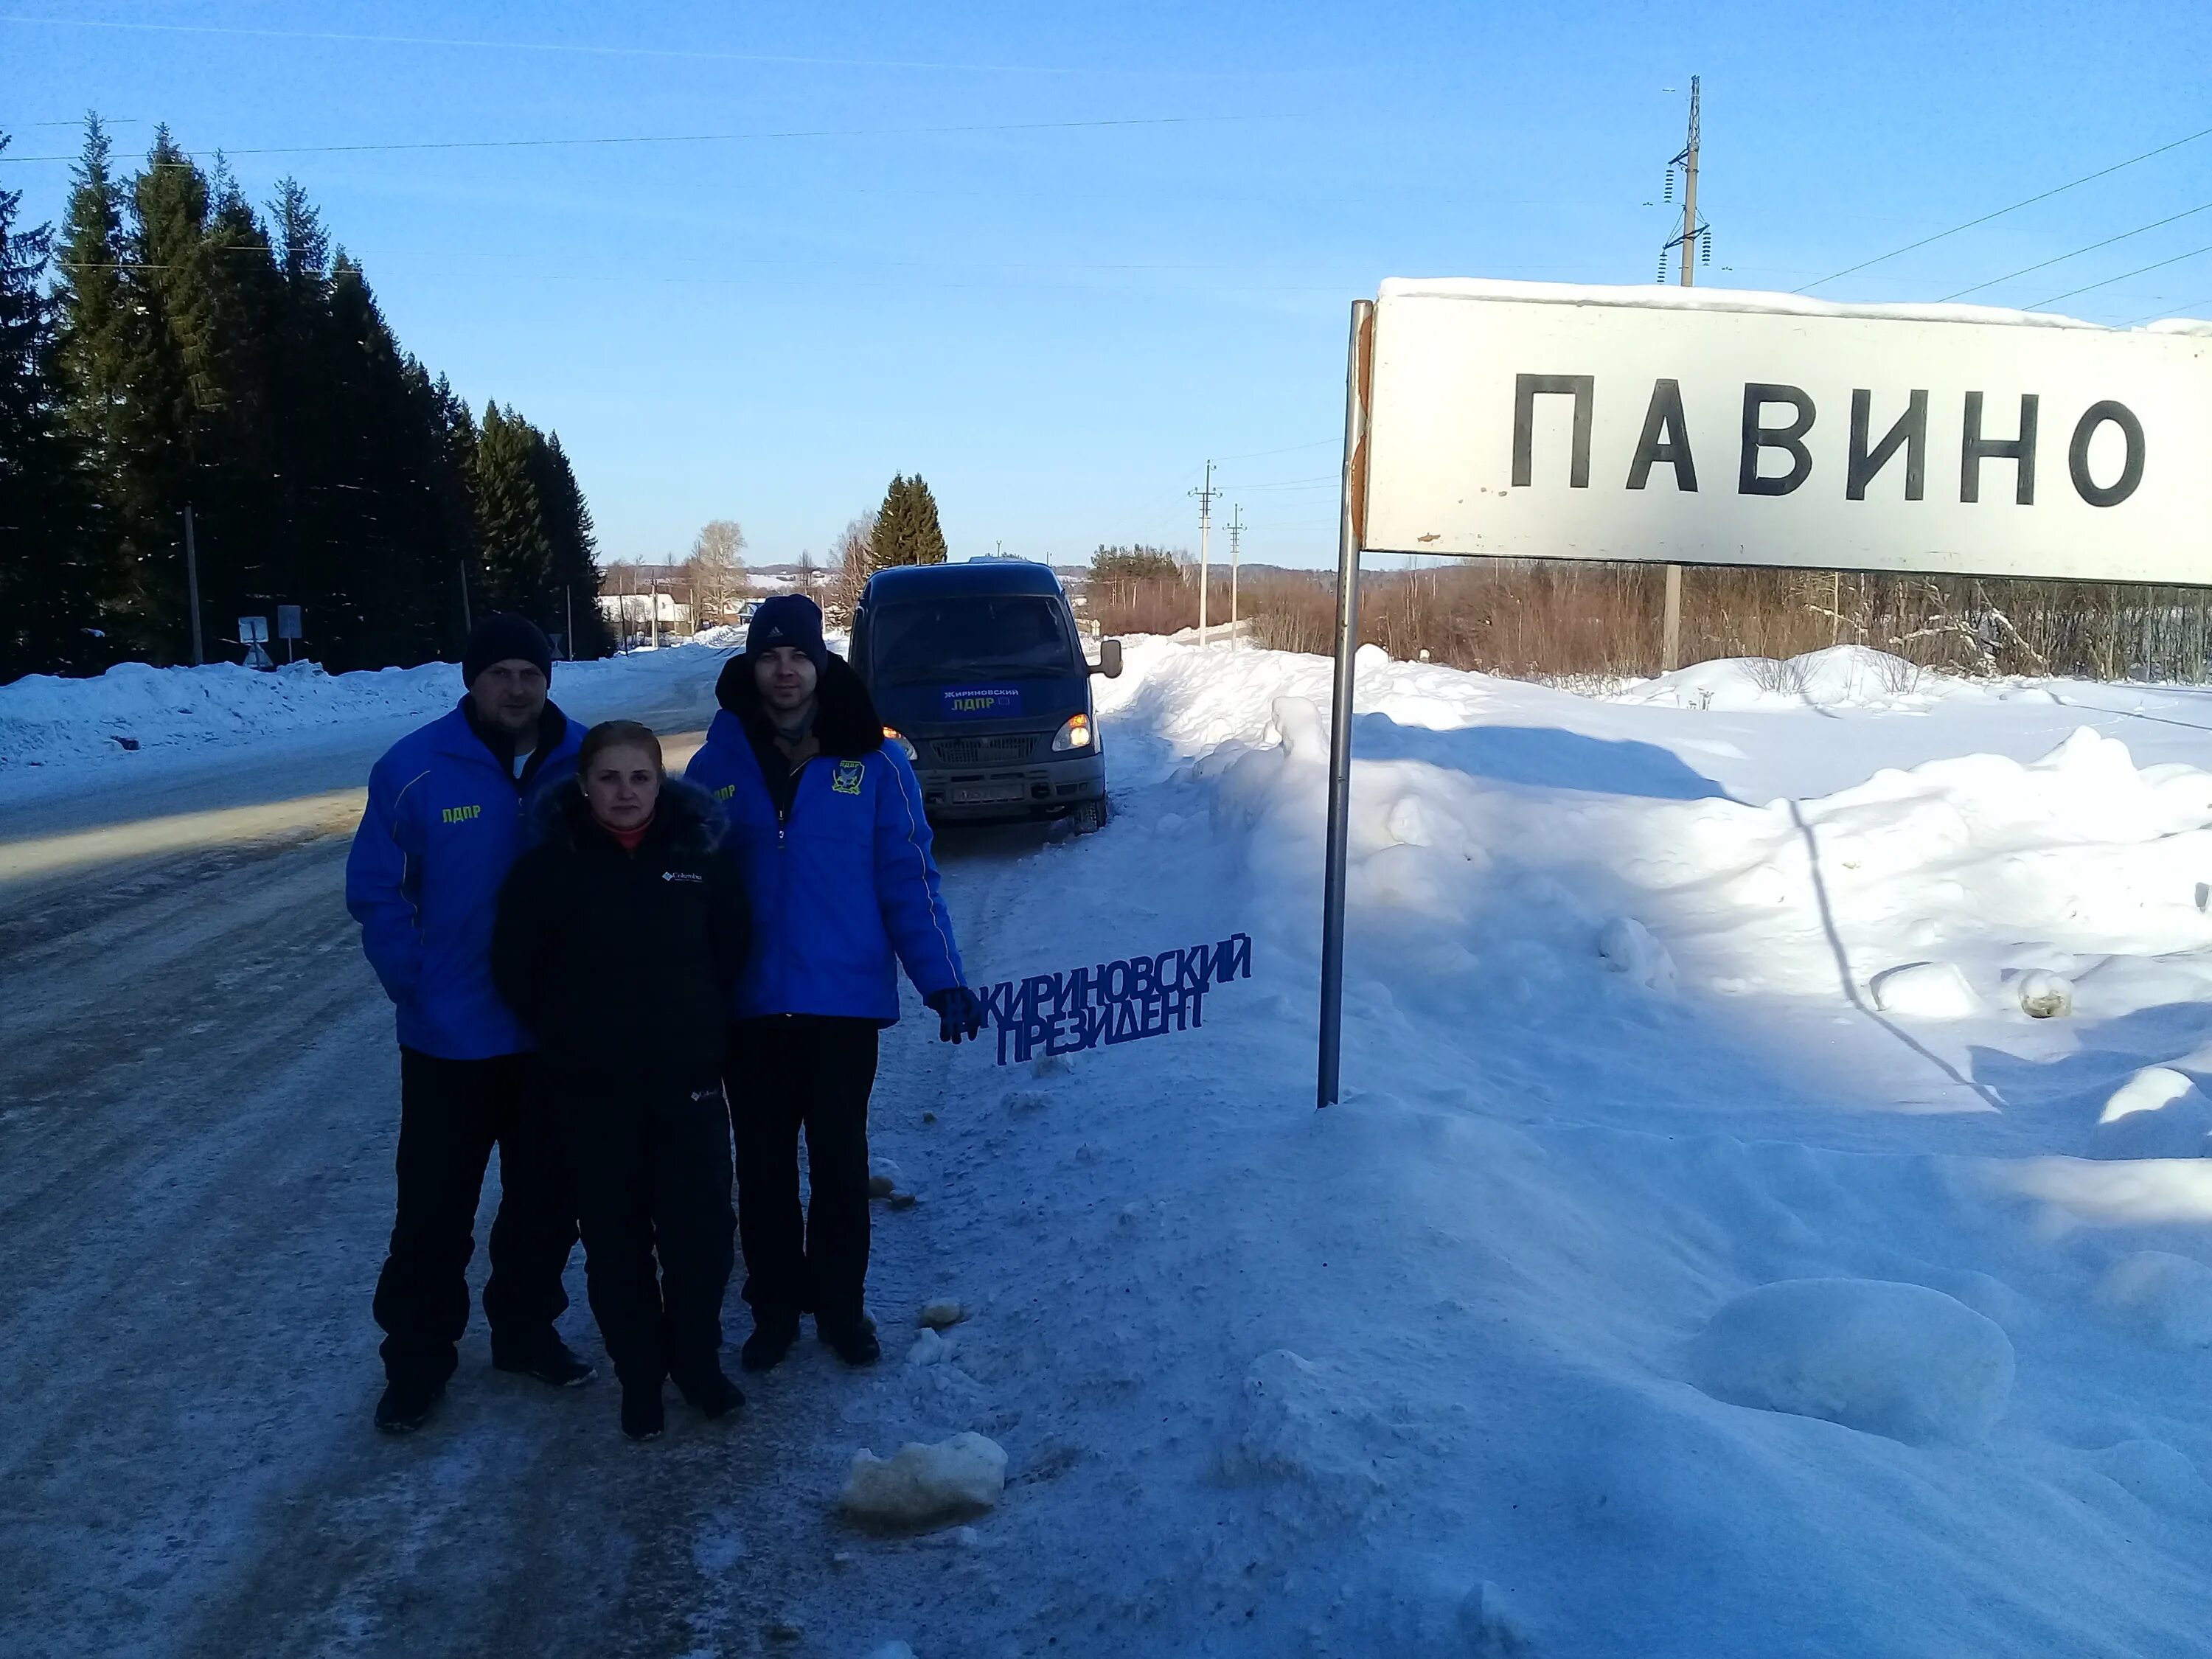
column 254, row 634
column 1350, row 529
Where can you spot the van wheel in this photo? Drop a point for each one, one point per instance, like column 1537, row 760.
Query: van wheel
column 1088, row 816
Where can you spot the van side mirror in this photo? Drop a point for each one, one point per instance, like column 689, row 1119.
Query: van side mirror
column 1110, row 660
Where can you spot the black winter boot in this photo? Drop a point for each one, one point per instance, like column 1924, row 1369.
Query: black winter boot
column 710, row 1392
column 765, row 1348
column 642, row 1416
column 854, row 1344
column 550, row 1361
column 406, row 1406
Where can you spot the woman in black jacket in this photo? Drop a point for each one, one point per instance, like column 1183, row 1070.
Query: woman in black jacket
column 619, row 938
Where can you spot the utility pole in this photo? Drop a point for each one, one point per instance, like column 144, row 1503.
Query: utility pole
column 468, row 623
column 192, row 586
column 1684, row 244
column 1205, row 525
column 1235, row 536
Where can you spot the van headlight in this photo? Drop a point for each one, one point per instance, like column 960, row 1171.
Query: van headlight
column 905, row 747
column 1076, row 734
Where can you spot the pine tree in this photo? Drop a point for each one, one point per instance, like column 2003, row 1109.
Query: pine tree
column 102, row 333
column 200, row 353
column 515, row 554
column 573, row 571
column 42, row 586
column 907, row 530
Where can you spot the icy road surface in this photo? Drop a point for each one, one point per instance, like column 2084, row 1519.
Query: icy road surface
column 1711, row 1256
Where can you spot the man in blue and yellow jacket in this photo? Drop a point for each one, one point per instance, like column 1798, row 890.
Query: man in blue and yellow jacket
column 827, row 823
column 447, row 810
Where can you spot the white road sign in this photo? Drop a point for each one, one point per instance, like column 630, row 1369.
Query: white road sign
column 1714, row 426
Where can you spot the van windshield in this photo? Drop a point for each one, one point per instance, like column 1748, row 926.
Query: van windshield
column 975, row 637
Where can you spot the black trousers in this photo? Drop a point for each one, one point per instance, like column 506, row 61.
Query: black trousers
column 452, row 1114
column 651, row 1171
column 789, row 1072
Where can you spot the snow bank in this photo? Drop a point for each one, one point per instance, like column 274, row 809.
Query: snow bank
column 1927, row 990
column 2163, row 1297
column 2157, row 1113
column 48, row 721
column 1389, row 1357
column 1841, row 676
column 1898, row 1360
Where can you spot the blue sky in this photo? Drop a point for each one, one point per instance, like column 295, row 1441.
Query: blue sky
column 1057, row 324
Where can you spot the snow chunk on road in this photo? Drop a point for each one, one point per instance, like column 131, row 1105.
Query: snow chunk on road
column 2161, row 1296
column 1898, row 1360
column 925, row 1485
column 1927, row 990
column 2044, row 995
column 2157, row 1113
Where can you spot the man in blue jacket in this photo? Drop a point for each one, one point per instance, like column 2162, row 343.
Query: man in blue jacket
column 447, row 807
column 828, row 825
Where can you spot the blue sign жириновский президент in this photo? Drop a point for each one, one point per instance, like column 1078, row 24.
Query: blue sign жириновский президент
column 1112, row 1003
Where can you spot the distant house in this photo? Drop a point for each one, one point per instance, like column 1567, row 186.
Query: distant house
column 633, row 616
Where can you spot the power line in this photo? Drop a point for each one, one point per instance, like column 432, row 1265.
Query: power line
column 2044, row 196
column 536, row 45
column 1255, row 454
column 1288, row 484
column 2172, row 311
column 699, row 137
column 2076, row 253
column 2122, row 278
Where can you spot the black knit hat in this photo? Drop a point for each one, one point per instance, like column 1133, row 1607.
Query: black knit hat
column 502, row 635
column 791, row 619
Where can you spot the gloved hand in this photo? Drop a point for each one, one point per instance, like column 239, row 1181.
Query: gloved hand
column 959, row 1013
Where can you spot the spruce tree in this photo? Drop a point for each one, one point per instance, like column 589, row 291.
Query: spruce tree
column 44, row 613
column 572, row 573
column 515, row 553
column 907, row 530
column 204, row 354
column 102, row 331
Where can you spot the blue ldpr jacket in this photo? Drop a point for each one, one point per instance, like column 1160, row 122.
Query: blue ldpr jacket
column 444, row 821
column 845, row 889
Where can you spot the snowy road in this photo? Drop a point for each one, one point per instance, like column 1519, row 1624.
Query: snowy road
column 200, row 1088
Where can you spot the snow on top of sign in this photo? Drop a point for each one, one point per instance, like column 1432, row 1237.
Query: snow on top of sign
column 1654, row 296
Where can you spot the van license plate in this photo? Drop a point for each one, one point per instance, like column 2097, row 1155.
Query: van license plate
column 983, row 794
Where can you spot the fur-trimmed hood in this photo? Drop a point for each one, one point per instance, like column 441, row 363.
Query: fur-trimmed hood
column 685, row 813
column 846, row 724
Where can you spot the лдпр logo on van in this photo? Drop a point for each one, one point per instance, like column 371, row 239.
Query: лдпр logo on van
column 970, row 701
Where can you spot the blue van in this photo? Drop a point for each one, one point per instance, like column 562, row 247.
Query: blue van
column 978, row 671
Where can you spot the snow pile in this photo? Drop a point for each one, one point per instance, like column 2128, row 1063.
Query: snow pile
column 1415, row 1375
column 1841, row 676
column 925, row 1485
column 1926, row 990
column 2157, row 1113
column 1899, row 1360
column 49, row 721
column 2165, row 1298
